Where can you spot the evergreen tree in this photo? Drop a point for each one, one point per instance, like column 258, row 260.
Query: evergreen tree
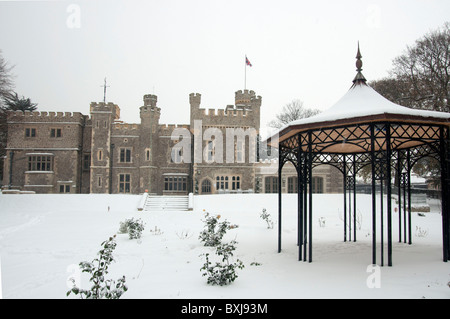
column 15, row 103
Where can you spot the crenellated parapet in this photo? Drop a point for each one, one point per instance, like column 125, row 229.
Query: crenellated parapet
column 105, row 108
column 118, row 127
column 246, row 112
column 246, row 98
column 44, row 116
column 225, row 113
column 167, row 129
column 195, row 99
column 150, row 100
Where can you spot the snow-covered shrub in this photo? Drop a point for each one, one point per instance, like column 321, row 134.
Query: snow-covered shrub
column 222, row 273
column 214, row 231
column 266, row 217
column 322, row 222
column 98, row 268
column 133, row 227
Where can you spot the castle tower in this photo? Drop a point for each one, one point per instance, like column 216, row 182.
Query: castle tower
column 247, row 100
column 103, row 116
column 226, row 167
column 194, row 101
column 150, row 115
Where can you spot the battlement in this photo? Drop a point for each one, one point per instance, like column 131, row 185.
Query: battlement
column 44, row 116
column 125, row 126
column 167, row 129
column 173, row 126
column 195, row 98
column 108, row 107
column 150, row 100
column 148, row 108
column 230, row 111
column 247, row 98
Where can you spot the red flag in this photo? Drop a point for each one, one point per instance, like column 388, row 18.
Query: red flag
column 247, row 62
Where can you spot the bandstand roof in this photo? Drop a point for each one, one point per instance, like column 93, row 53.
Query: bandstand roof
column 360, row 106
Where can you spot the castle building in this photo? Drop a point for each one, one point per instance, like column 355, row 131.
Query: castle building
column 55, row 152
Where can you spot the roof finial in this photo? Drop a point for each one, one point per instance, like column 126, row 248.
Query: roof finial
column 359, row 78
column 358, row 60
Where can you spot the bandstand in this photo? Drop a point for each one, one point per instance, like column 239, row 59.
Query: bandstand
column 365, row 129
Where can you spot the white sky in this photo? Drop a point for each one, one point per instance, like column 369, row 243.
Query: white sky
column 299, row 50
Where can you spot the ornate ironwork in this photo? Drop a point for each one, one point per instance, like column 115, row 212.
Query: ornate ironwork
column 386, row 146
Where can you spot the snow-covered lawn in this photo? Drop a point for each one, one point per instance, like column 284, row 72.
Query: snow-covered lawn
column 44, row 237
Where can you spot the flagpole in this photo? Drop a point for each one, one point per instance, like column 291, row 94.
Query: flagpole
column 245, row 72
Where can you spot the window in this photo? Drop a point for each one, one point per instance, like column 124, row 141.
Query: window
column 86, row 162
column 30, row 132
column 240, row 152
column 206, row 187
column 124, row 183
column 292, row 185
column 64, row 188
column 99, row 181
column 55, row 132
column 125, row 155
column 100, row 155
column 147, row 154
column 210, row 152
column 175, row 183
column 317, row 185
column 236, row 182
column 40, row 163
column 222, row 182
column 271, row 184
column 228, row 182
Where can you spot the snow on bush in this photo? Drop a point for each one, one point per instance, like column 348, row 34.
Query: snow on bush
column 98, row 268
column 214, row 231
column 133, row 227
column 266, row 217
column 222, row 273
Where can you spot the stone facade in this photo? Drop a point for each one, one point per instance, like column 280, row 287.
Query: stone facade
column 50, row 152
column 326, row 179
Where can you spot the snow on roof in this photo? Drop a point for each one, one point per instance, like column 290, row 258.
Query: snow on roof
column 362, row 100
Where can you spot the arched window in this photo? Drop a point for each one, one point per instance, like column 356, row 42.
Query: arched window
column 206, row 186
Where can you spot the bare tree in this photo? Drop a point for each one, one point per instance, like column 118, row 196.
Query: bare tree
column 6, row 88
column 291, row 112
column 422, row 73
column 420, row 78
column 6, row 79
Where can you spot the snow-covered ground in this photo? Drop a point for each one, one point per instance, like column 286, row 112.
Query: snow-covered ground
column 44, row 237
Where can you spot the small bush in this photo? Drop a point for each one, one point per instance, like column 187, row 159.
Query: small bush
column 98, row 268
column 222, row 273
column 133, row 227
column 266, row 217
column 214, row 231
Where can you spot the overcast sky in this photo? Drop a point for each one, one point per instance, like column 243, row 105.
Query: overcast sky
column 63, row 50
